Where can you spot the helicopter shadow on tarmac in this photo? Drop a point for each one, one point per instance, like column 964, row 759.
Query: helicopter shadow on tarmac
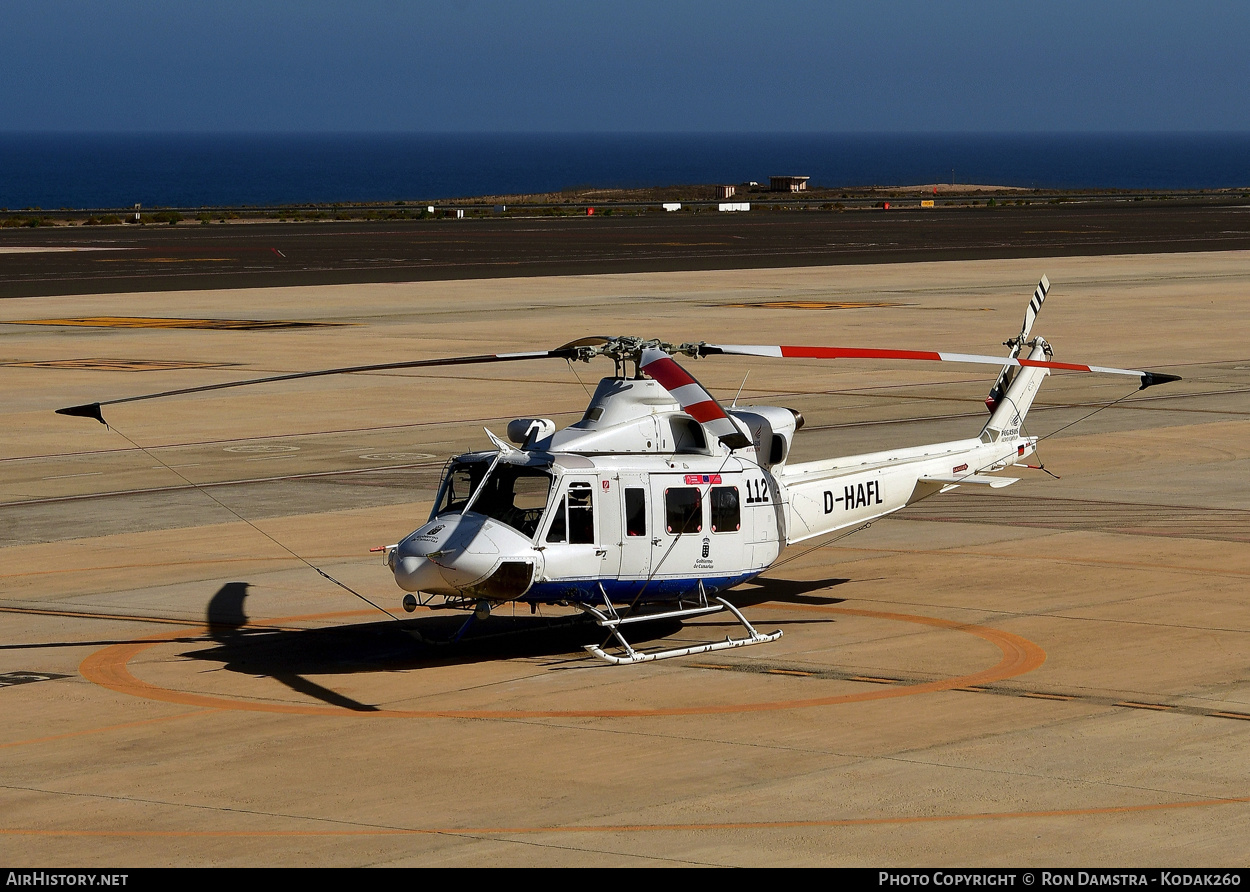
column 289, row 656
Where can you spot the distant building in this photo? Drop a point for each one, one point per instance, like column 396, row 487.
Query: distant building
column 787, row 184
column 672, row 205
column 723, row 192
column 734, row 206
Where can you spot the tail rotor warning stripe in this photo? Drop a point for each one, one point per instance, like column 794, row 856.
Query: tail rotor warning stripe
column 1035, row 307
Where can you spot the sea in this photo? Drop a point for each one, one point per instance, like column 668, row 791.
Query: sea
column 50, row 171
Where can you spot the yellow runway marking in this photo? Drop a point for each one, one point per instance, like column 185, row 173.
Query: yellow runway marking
column 645, row 828
column 109, row 668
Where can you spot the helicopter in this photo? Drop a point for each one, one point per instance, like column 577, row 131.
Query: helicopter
column 659, row 500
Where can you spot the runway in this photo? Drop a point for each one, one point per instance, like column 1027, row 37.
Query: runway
column 113, row 259
column 1053, row 674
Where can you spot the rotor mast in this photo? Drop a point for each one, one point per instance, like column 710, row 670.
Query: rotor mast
column 625, row 350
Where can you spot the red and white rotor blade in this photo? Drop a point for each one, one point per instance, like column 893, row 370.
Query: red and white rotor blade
column 789, row 352
column 692, row 396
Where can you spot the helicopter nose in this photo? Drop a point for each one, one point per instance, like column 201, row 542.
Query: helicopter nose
column 415, row 561
column 457, row 554
column 417, row 574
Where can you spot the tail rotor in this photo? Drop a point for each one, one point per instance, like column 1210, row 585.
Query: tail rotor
column 1016, row 344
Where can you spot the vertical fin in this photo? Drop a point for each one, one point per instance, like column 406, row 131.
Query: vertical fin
column 1008, row 373
column 1008, row 414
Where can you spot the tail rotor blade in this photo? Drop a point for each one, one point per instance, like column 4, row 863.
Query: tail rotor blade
column 1035, row 307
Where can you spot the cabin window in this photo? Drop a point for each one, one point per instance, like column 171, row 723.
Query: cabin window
column 683, row 510
column 635, row 512
column 458, row 485
column 574, row 518
column 726, row 509
column 515, row 495
column 581, row 514
column 594, row 413
column 559, row 531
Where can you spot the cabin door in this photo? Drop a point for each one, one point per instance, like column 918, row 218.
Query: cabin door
column 570, row 538
column 637, row 522
column 679, row 539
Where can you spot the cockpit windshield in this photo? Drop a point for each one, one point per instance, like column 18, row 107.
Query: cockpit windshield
column 515, row 495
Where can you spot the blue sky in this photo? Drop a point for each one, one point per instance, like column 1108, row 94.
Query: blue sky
column 125, row 65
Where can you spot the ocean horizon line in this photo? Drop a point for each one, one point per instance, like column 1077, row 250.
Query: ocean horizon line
column 105, row 169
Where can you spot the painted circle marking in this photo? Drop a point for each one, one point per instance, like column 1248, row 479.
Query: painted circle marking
column 109, row 668
column 262, row 448
column 397, row 456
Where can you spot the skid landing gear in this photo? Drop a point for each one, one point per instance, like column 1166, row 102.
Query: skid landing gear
column 609, row 619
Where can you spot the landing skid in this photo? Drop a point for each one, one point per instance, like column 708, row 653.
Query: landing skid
column 609, row 619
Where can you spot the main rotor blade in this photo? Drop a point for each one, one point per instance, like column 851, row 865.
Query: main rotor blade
column 692, row 396
column 568, row 351
column 1148, row 379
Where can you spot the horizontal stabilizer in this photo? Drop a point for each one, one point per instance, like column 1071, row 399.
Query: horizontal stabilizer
column 977, row 479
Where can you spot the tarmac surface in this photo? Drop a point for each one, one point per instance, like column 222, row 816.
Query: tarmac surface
column 1057, row 673
column 238, row 255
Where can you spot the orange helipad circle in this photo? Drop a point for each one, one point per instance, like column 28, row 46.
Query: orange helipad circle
column 109, row 668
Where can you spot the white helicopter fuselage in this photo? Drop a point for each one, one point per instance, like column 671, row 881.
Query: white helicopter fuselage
column 634, row 503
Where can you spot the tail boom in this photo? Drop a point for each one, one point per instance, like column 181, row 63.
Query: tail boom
column 825, row 496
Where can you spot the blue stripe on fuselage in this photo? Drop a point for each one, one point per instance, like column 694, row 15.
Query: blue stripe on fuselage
column 620, row 590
